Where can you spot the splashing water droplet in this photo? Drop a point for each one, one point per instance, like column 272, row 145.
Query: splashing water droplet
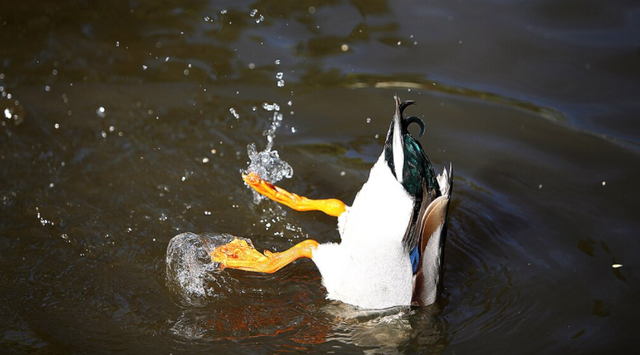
column 101, row 112
column 267, row 163
column 276, row 121
column 234, row 113
column 191, row 275
column 271, row 107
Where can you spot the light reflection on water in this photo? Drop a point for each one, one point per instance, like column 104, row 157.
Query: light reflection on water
column 126, row 124
column 297, row 323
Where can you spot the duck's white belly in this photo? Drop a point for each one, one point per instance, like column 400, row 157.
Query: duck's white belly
column 370, row 268
column 366, row 280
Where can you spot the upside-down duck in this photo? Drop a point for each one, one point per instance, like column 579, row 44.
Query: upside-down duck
column 392, row 237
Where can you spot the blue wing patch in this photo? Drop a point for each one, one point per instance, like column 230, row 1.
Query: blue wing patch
column 415, row 259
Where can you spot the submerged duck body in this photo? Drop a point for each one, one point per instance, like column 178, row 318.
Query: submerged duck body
column 392, row 237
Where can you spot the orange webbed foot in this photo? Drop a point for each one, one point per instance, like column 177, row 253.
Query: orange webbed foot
column 238, row 254
column 332, row 207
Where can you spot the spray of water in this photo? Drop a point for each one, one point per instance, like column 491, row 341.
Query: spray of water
column 191, row 275
column 267, row 163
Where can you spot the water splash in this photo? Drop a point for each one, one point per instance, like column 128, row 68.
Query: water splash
column 192, row 276
column 10, row 107
column 267, row 163
column 280, row 77
column 101, row 112
column 259, row 18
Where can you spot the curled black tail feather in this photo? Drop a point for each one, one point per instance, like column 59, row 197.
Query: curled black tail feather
column 404, row 105
column 413, row 119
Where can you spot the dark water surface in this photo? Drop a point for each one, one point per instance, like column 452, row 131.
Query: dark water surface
column 118, row 133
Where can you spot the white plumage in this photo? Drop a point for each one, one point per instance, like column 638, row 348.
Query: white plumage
column 370, row 267
column 398, row 154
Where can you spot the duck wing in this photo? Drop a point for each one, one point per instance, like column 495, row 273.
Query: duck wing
column 431, row 236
